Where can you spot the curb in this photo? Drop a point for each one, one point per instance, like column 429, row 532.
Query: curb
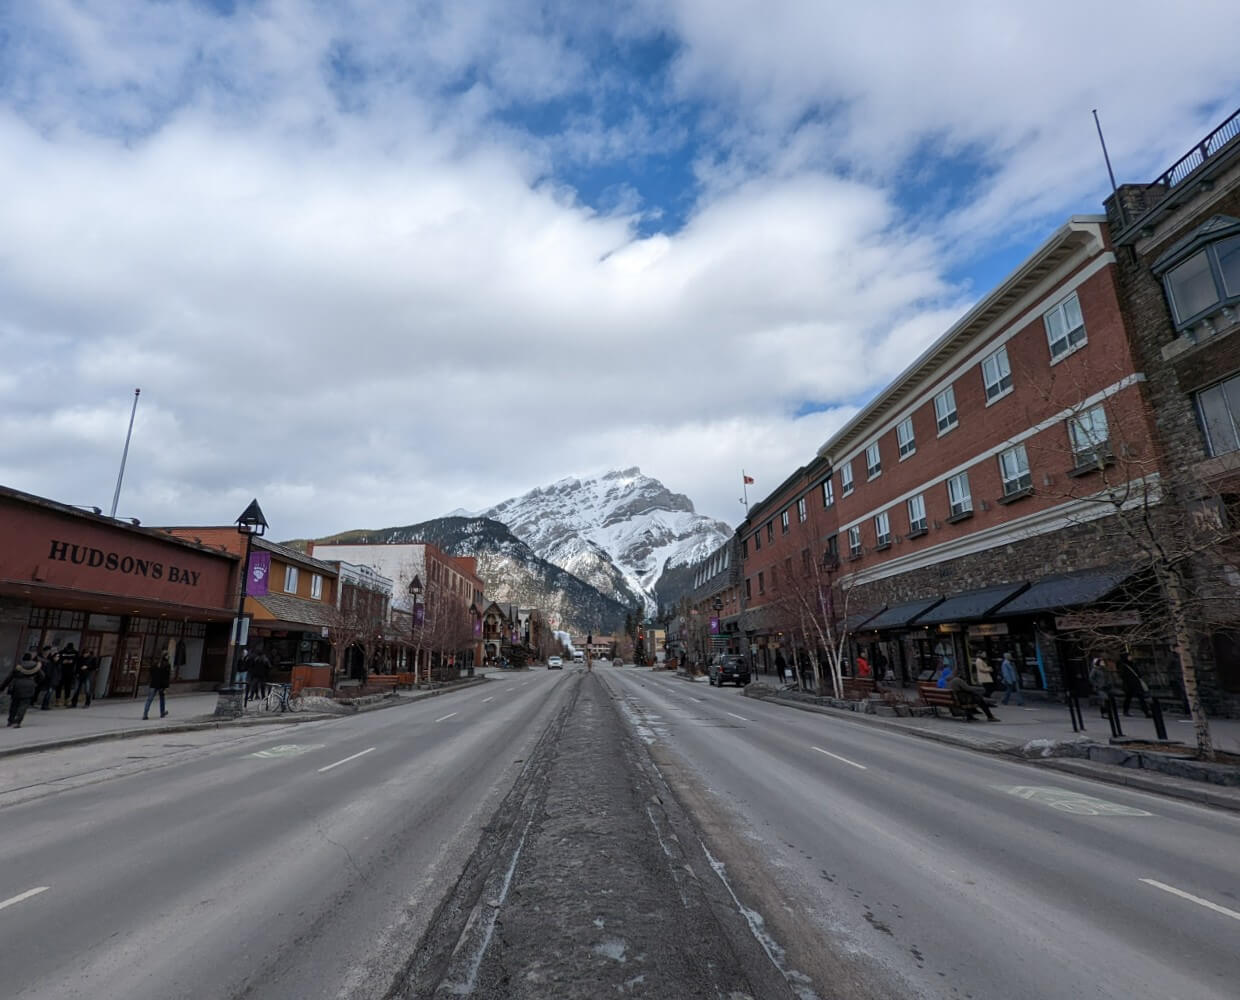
column 293, row 719
column 1203, row 793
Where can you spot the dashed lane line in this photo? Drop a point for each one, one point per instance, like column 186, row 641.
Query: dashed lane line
column 835, row 756
column 14, row 900
column 448, row 716
column 1195, row 899
column 346, row 760
column 485, row 700
column 735, row 716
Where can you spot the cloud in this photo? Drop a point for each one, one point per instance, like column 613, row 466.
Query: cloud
column 339, row 248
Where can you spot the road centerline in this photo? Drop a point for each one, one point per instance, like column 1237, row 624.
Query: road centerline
column 21, row 896
column 735, row 716
column 1189, row 896
column 346, row 760
column 835, row 756
column 485, row 700
column 448, row 716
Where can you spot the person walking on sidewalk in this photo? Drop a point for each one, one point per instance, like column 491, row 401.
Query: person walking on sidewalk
column 985, row 676
column 49, row 677
column 84, row 685
column 22, row 683
column 1011, row 679
column 1134, row 686
column 161, row 677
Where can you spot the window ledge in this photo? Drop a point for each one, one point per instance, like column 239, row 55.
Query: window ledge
column 848, row 492
column 1085, row 468
column 908, row 454
column 949, row 428
column 1017, row 495
column 854, row 558
column 1003, row 395
column 882, row 546
column 917, row 533
column 870, row 479
column 964, row 515
column 1069, row 352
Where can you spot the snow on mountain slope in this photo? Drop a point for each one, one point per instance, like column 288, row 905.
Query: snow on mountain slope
column 618, row 531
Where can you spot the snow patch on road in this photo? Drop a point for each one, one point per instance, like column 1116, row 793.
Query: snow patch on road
column 611, row 948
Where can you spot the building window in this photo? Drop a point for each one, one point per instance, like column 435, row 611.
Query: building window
column 1014, row 467
column 1219, row 407
column 1065, row 327
column 846, row 479
column 1209, row 278
column 854, row 540
column 945, row 409
column 959, row 499
column 833, row 549
column 1090, row 437
column 783, row 523
column 761, row 583
column 757, row 540
column 882, row 529
column 748, row 588
column 807, row 565
column 774, row 577
column 917, row 514
column 744, row 548
column 290, row 579
column 997, row 374
column 316, row 587
column 770, row 531
column 828, row 492
column 802, row 512
column 873, row 461
column 905, row 438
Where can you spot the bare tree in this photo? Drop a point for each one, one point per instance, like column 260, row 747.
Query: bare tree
column 359, row 622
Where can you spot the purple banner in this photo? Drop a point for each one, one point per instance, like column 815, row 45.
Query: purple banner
column 419, row 614
column 477, row 628
column 260, row 569
column 714, row 624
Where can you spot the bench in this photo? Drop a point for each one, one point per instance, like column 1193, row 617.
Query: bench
column 937, row 697
column 405, row 680
column 858, row 688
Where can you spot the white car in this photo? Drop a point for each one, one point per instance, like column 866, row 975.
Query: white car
column 555, row 663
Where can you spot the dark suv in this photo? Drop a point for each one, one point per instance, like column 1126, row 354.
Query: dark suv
column 729, row 669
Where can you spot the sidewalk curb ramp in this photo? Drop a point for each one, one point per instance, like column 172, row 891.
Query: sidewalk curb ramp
column 241, row 722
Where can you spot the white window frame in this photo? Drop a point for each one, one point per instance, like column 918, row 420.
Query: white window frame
column 962, row 500
column 996, row 375
column 1071, row 336
column 1089, row 447
column 802, row 512
column 882, row 528
column 946, row 416
column 854, row 540
column 846, row 479
column 290, row 579
column 783, row 522
column 905, row 438
column 1014, row 470
column 873, row 460
column 828, row 492
column 917, row 513
column 316, row 586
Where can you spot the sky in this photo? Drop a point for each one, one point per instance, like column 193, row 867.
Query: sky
column 373, row 261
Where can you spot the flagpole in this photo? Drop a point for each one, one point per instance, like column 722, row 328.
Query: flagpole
column 745, row 490
column 116, row 497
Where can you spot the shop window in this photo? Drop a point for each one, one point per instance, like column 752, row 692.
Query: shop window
column 873, row 460
column 1014, row 468
column 290, row 579
column 945, row 410
column 1219, row 409
column 1065, row 327
column 997, row 375
column 846, row 478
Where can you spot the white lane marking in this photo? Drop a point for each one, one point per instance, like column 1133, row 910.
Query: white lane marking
column 13, row 900
column 735, row 716
column 448, row 716
column 346, row 760
column 697, row 699
column 288, row 750
column 1189, row 896
column 509, row 690
column 485, row 700
column 1071, row 802
column 838, row 757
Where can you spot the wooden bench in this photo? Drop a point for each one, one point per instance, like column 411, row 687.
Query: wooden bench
column 858, row 688
column 405, row 680
column 937, row 697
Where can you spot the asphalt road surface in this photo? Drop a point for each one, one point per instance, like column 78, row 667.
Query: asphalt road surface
column 280, row 864
column 887, row 865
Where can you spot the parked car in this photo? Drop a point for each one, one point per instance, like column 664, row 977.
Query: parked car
column 555, row 663
column 729, row 669
column 618, row 662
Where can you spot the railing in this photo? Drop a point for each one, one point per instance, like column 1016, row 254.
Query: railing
column 1195, row 157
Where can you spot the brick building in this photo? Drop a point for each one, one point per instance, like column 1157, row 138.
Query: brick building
column 709, row 618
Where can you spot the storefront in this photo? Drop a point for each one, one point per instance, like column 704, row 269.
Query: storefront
column 122, row 593
column 891, row 642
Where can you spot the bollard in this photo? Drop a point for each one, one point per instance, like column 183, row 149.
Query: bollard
column 1113, row 716
column 1160, row 726
column 1074, row 710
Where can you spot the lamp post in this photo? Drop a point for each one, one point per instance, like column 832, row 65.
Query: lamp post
column 475, row 633
column 251, row 523
column 415, row 592
column 717, row 604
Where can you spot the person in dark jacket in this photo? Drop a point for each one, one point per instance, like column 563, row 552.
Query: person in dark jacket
column 260, row 672
column 67, row 660
column 49, row 677
column 161, row 677
column 22, row 683
column 969, row 697
column 87, row 666
column 1134, row 686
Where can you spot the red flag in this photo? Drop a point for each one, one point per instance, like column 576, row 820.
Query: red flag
column 748, row 480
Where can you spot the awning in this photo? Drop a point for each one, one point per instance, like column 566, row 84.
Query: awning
column 971, row 605
column 853, row 623
column 1068, row 590
column 901, row 614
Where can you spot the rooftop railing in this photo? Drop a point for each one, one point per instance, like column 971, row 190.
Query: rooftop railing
column 1195, row 157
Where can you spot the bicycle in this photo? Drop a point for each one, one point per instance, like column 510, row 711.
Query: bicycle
column 279, row 699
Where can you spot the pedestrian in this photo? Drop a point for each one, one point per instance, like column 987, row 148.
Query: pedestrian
column 22, row 683
column 985, row 676
column 945, row 676
column 1100, row 682
column 49, row 667
column 84, row 683
column 970, row 698
column 67, row 660
column 863, row 666
column 1133, row 684
column 1011, row 679
column 161, row 677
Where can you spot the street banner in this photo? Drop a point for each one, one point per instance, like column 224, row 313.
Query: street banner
column 260, row 569
column 714, row 624
column 419, row 614
column 477, row 628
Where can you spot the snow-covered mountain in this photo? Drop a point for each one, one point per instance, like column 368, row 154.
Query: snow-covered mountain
column 620, row 532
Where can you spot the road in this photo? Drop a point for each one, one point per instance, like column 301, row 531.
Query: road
column 293, row 864
column 888, row 865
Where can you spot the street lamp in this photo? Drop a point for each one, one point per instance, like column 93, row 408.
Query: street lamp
column 475, row 624
column 251, row 523
column 415, row 592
